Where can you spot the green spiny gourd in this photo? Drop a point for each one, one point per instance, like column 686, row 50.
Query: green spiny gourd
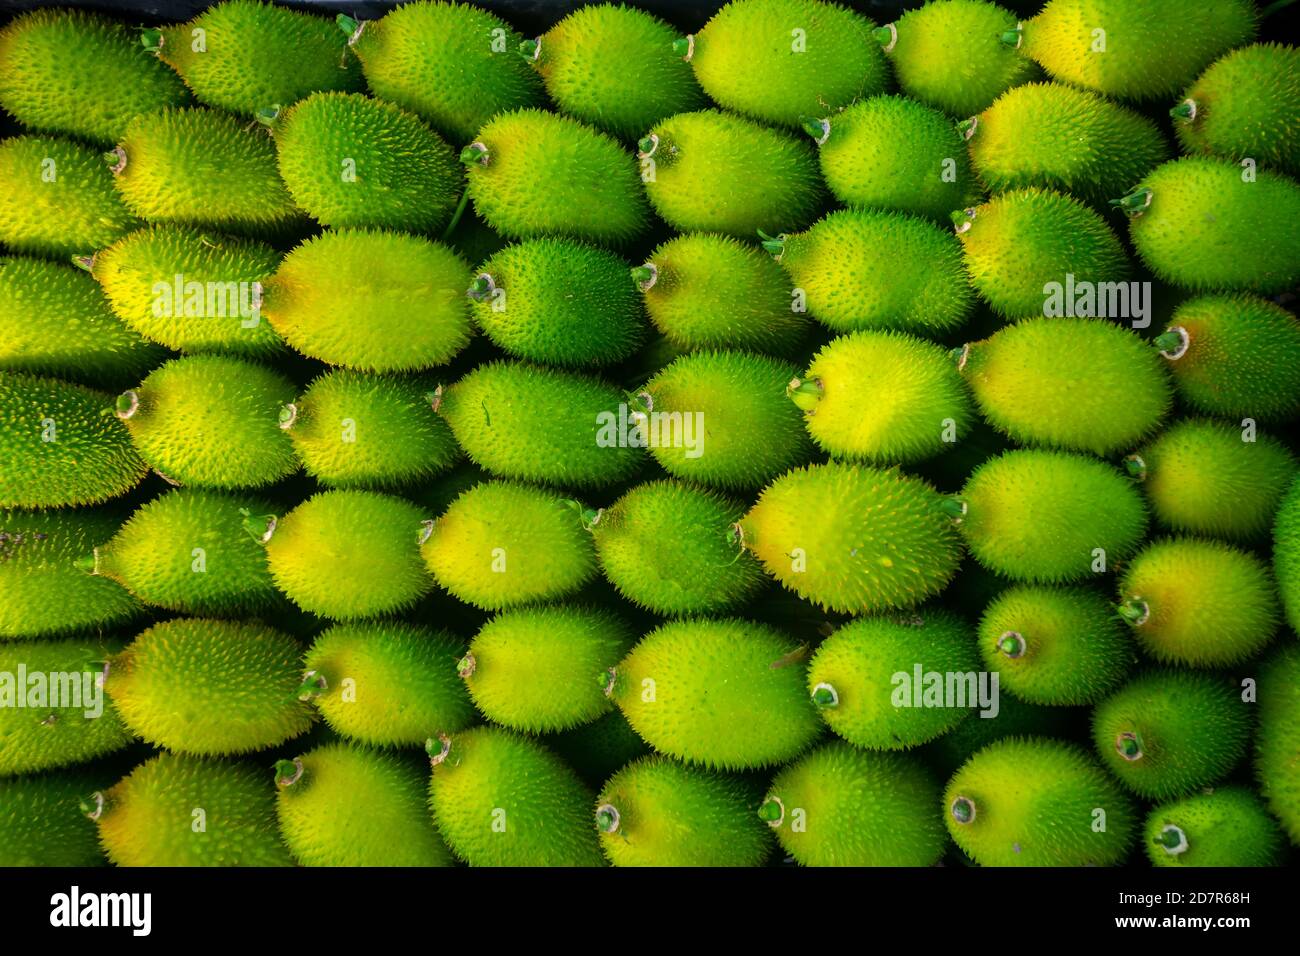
column 599, row 749
column 58, row 447
column 1029, row 801
column 1114, row 392
column 355, row 672
column 837, row 264
column 353, row 430
column 538, row 424
column 533, row 669
column 1227, row 826
column 204, row 168
column 211, row 421
column 457, row 83
column 352, row 161
column 1062, row 646
column 851, row 538
column 615, row 68
column 1278, row 740
column 559, row 302
column 347, row 554
column 1184, row 214
column 891, row 152
column 41, row 823
column 207, row 687
column 1286, row 553
column 532, row 173
column 657, row 812
column 709, row 291
column 1198, row 602
column 1213, row 478
column 176, row 810
column 344, row 805
column 700, row 416
column 57, row 198
column 1243, row 106
column 710, row 171
column 373, row 301
column 502, row 544
column 781, row 60
column 1016, row 718
column 1050, row 517
column 883, row 397
column 842, row 806
column 502, row 799
column 723, row 693
column 1035, row 252
column 1062, row 138
column 79, row 73
column 53, row 710
column 948, row 54
column 191, row 290
column 880, row 682
column 1133, row 49
column 1168, row 733
column 670, row 547
column 54, row 320
column 245, row 55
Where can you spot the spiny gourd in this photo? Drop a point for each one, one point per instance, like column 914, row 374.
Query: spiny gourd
column 191, row 290
column 211, row 421
column 1214, row 478
column 852, row 538
column 539, row 424
column 175, row 810
column 1171, row 732
column 1244, row 105
column 1114, row 392
column 559, row 302
column 374, row 301
column 57, row 198
column 244, row 55
column 837, row 264
column 79, row 73
column 387, row 683
column 207, row 687
column 615, row 68
column 1055, row 645
column 704, row 290
column 532, row 173
column 203, row 168
column 1278, row 740
column 502, row 544
column 1050, row 517
column 1030, row 801
column 351, row 161
column 722, row 692
column 535, row 669
column 347, row 554
column 883, row 397
column 41, row 823
column 502, row 799
column 1199, row 603
column 58, row 448
column 1062, row 138
column 599, row 749
column 669, row 547
column 710, row 171
column 457, row 83
column 657, row 812
column 353, row 430
column 891, row 152
column 344, row 805
column 781, row 60
column 842, row 806
column 701, row 413
column 1227, row 826
column 1184, row 214
column 188, row 550
column 1286, row 553
column 1035, row 252
column 891, row 683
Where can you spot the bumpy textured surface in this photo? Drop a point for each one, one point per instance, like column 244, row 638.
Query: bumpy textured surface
column 1286, row 553
column 41, row 823
column 1228, row 826
column 1278, row 741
